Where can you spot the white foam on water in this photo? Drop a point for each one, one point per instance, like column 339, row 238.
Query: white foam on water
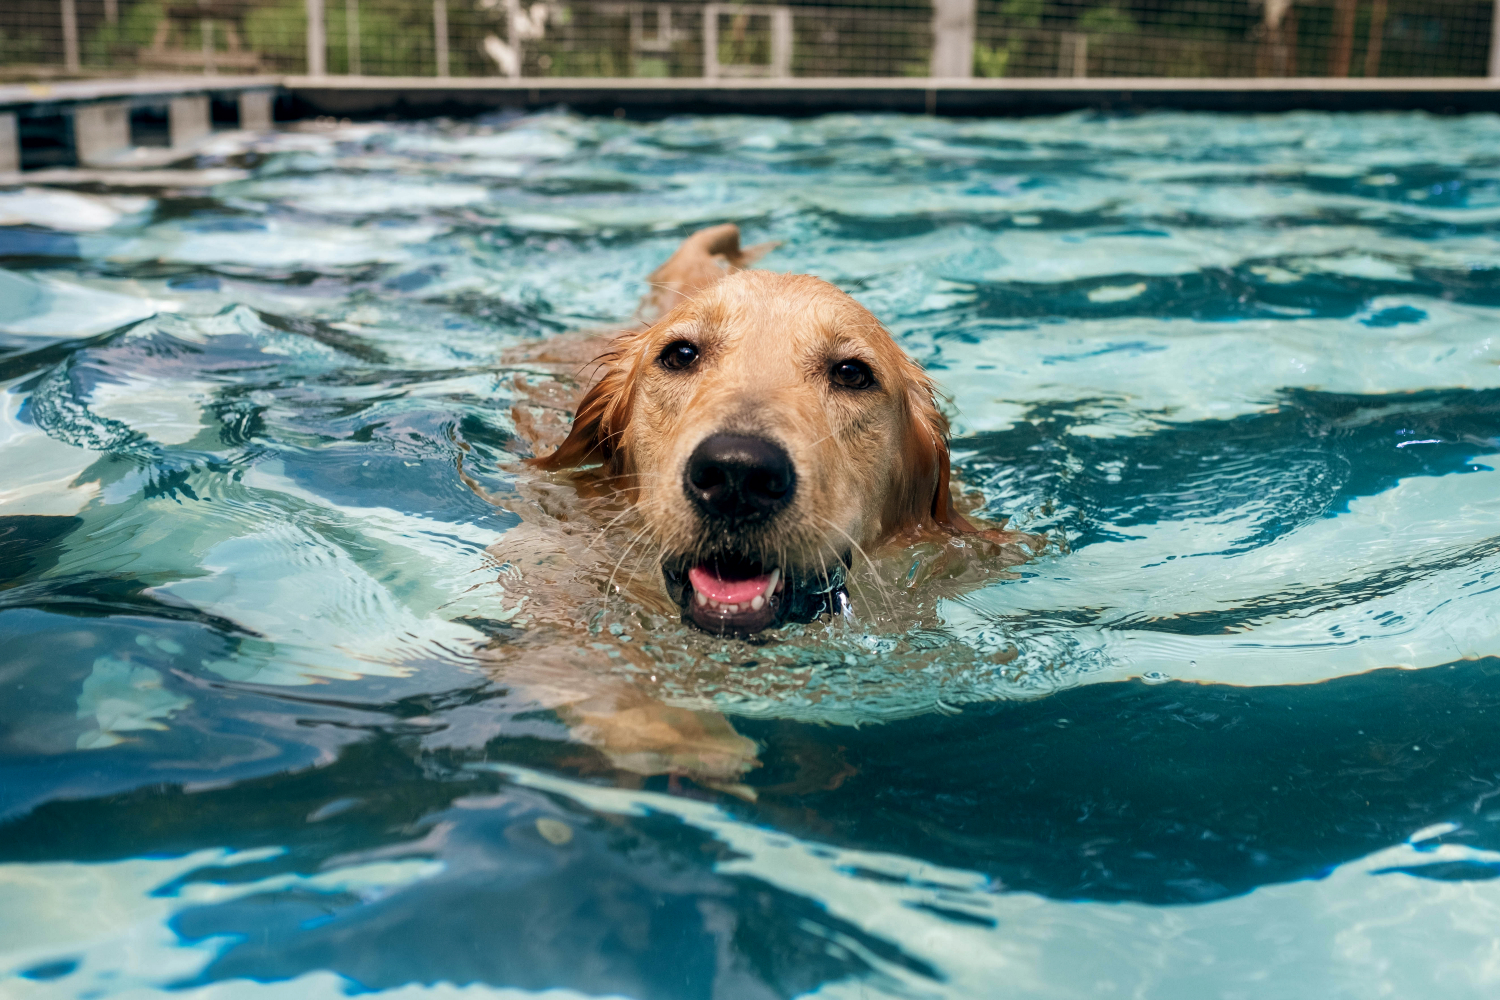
column 280, row 243
column 542, row 138
column 362, row 195
column 67, row 211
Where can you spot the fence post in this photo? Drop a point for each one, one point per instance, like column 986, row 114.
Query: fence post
column 953, row 38
column 781, row 41
column 70, row 35
column 1073, row 54
column 1495, row 42
column 317, row 63
column 711, row 40
column 440, row 35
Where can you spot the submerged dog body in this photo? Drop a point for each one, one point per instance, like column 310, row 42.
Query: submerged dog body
column 737, row 461
column 767, row 429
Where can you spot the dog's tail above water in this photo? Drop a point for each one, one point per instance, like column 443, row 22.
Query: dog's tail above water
column 702, row 259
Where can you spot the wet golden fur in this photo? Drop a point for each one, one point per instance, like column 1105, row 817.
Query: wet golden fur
column 872, row 465
column 873, row 471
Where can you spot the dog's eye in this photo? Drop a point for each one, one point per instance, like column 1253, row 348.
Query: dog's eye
column 851, row 374
column 677, row 355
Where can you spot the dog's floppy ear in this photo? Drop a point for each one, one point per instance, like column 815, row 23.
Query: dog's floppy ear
column 600, row 421
column 921, row 498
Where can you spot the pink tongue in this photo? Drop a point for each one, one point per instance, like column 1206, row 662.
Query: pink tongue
column 726, row 591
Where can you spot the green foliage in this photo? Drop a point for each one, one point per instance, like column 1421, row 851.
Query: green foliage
column 583, row 62
column 1108, row 20
column 133, row 32
column 991, row 61
column 741, row 44
column 278, row 30
column 645, row 66
column 1023, row 13
column 395, row 37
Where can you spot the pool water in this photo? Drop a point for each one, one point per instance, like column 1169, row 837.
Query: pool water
column 1233, row 734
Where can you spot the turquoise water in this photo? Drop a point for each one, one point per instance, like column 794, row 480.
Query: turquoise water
column 1232, row 735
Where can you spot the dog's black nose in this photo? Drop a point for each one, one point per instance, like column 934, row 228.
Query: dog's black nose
column 737, row 477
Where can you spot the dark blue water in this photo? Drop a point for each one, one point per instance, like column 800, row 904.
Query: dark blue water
column 1232, row 735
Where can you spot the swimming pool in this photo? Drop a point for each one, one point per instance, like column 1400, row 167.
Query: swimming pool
column 1232, row 735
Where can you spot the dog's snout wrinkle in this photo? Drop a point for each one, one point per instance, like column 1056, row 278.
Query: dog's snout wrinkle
column 740, row 477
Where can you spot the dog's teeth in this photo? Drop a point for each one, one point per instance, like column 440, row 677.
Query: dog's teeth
column 757, row 602
column 702, row 600
column 732, row 608
column 772, row 585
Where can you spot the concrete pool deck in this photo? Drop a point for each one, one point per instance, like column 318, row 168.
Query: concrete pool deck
column 94, row 122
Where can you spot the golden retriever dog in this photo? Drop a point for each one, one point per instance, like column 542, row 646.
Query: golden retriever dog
column 736, row 459
column 768, row 430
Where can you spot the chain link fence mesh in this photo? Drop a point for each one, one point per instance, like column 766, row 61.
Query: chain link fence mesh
column 590, row 38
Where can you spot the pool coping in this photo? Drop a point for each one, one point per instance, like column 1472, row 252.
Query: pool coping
column 135, row 90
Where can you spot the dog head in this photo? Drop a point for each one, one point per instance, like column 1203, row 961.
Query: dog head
column 767, row 429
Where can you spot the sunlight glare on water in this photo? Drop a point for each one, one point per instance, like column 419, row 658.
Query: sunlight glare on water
column 1242, row 372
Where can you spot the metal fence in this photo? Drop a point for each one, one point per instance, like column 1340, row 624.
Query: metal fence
column 592, row 38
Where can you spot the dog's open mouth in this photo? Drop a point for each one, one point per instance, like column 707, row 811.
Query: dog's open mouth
column 734, row 596
column 723, row 600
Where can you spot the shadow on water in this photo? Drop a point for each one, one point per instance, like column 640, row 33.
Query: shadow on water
column 1170, row 793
